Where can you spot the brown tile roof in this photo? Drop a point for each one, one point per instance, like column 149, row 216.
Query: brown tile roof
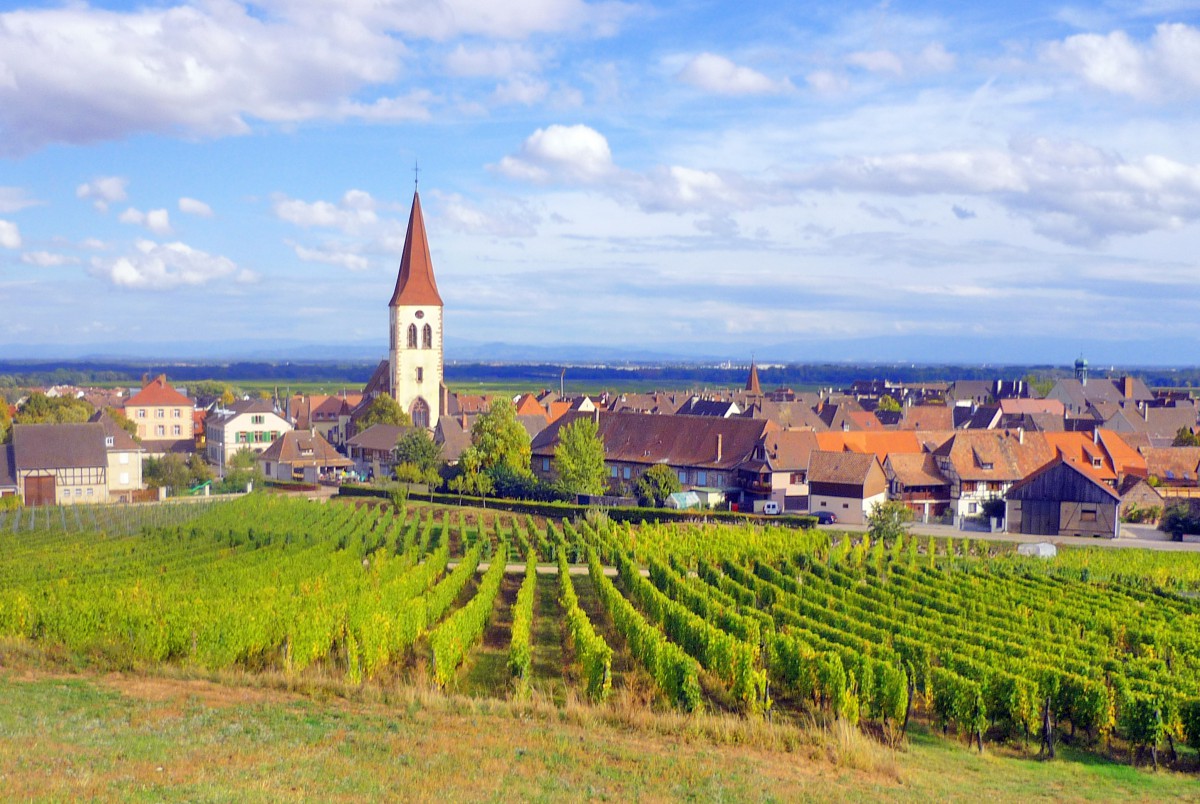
column 453, row 437
column 8, row 470
column 122, row 440
column 882, row 443
column 1126, row 460
column 158, row 393
column 304, row 448
column 928, row 417
column 850, row 468
column 414, row 283
column 916, row 469
column 58, row 446
column 675, row 440
column 1173, row 464
column 997, row 455
column 789, row 450
column 1080, row 450
column 379, row 437
column 1010, row 407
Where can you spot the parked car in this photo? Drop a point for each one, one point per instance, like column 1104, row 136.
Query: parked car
column 825, row 517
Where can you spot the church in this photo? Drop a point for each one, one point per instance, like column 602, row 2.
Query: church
column 412, row 374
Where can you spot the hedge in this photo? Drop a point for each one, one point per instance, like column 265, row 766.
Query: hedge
column 559, row 510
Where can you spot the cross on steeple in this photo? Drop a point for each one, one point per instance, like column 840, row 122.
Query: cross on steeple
column 416, row 174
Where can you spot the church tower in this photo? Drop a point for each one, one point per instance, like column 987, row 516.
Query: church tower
column 415, row 313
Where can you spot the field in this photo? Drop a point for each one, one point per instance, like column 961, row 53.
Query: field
column 322, row 650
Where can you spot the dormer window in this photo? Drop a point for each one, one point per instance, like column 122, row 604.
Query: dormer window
column 1096, row 463
column 108, row 441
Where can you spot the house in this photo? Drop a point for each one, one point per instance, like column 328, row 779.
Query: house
column 373, row 450
column 1137, row 492
column 328, row 415
column 1062, row 499
column 65, row 464
column 1079, row 393
column 781, row 473
column 1174, row 466
column 702, row 450
column 850, row 484
column 695, row 406
column 983, row 465
column 163, row 417
column 124, row 460
column 251, row 424
column 302, row 455
column 914, row 479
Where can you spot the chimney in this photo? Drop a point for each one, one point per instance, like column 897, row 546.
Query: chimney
column 720, row 446
column 1096, row 435
column 445, row 400
column 1020, row 435
column 1127, row 387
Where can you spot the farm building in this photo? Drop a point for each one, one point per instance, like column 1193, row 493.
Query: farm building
column 850, row 484
column 302, row 455
column 1060, row 499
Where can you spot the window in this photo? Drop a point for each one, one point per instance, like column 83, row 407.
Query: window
column 123, row 458
column 845, row 505
column 701, row 477
column 89, row 492
column 625, row 473
column 412, row 336
column 174, row 413
column 1087, row 515
column 420, row 374
column 824, row 504
column 108, row 441
column 682, row 475
column 160, row 430
column 420, row 413
column 141, row 414
column 612, row 471
column 545, row 464
column 176, row 430
column 257, row 419
column 124, row 479
column 427, row 337
column 159, row 413
column 973, row 508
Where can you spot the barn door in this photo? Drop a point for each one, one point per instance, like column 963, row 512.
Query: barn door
column 39, row 490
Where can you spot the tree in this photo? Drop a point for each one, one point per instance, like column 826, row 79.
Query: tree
column 123, row 421
column 888, row 403
column 471, row 480
column 579, row 458
column 501, row 440
column 5, row 422
column 656, row 484
column 384, row 410
column 242, row 468
column 172, row 472
column 417, row 447
column 42, row 409
column 887, row 520
column 1184, row 437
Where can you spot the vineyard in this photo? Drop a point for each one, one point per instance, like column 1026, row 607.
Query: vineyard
column 770, row 624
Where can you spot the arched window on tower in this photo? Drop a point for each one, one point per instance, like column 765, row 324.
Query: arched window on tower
column 412, row 336
column 420, row 413
column 427, row 337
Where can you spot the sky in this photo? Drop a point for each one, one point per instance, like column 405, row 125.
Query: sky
column 987, row 182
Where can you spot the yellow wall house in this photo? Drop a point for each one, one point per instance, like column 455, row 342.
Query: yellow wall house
column 163, row 417
column 65, row 464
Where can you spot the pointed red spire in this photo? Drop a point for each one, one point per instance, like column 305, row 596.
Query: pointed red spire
column 752, row 381
column 415, row 284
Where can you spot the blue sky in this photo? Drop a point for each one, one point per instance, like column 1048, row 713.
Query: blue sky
column 885, row 181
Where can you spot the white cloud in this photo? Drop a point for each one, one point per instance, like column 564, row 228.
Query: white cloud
column 156, row 220
column 561, row 153
column 103, row 191
column 412, row 106
column 827, row 82
column 511, row 218
column 495, row 60
column 877, row 61
column 719, row 75
column 10, row 235
column 1069, row 191
column 193, row 207
column 13, row 199
column 46, row 259
column 355, row 211
column 1165, row 66
column 342, row 259
column 522, row 90
column 155, row 266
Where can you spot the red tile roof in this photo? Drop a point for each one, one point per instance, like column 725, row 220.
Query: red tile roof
column 157, row 393
column 415, row 284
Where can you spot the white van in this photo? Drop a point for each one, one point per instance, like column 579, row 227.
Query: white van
column 771, row 508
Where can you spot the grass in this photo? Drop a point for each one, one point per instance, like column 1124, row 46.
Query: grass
column 140, row 737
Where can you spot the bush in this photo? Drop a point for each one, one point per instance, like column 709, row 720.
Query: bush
column 1178, row 519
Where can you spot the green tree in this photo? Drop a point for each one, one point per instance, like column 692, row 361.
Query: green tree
column 579, row 458
column 471, row 480
column 501, row 439
column 5, row 422
column 42, row 409
column 172, row 472
column 656, row 484
column 888, row 403
column 1184, row 437
column 887, row 520
column 418, row 448
column 384, row 410
column 1041, row 385
column 242, row 468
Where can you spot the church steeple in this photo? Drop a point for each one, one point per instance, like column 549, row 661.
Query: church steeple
column 415, row 283
column 415, row 318
column 752, row 385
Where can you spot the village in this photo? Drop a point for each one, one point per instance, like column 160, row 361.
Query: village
column 1076, row 460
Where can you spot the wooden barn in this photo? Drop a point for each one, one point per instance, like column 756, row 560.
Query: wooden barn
column 1060, row 499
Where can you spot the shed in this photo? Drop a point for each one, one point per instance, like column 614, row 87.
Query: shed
column 1061, row 499
column 683, row 500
